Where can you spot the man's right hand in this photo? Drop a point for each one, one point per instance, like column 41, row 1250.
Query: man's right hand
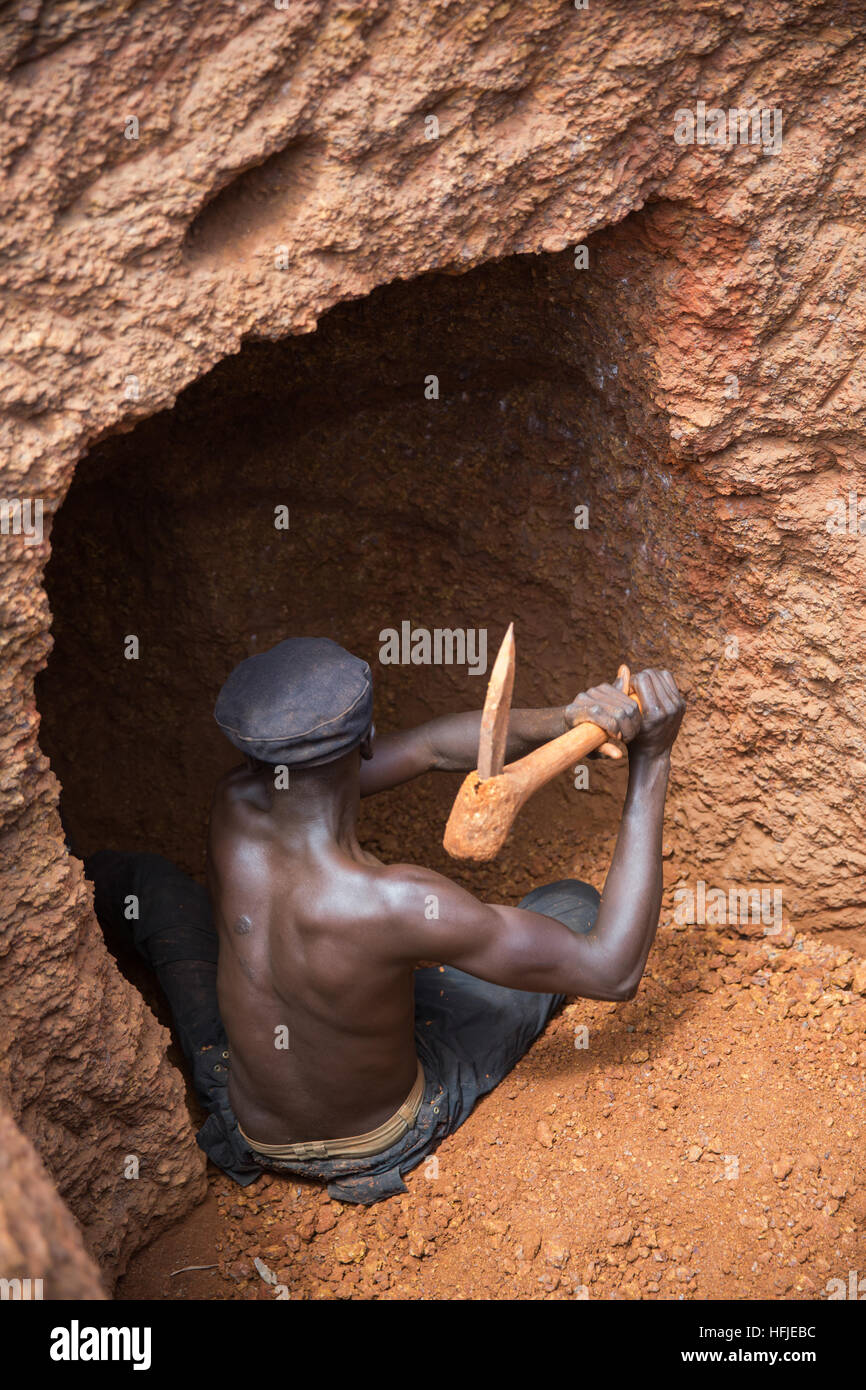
column 607, row 706
column 519, row 949
column 662, row 710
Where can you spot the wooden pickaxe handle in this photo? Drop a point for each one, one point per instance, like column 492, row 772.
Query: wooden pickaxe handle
column 484, row 809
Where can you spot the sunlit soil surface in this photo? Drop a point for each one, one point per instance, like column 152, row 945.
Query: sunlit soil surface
column 705, row 1143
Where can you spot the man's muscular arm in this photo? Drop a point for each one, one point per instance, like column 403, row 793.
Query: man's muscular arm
column 450, row 743
column 525, row 950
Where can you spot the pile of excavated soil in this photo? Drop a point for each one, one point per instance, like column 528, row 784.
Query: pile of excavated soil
column 705, row 1143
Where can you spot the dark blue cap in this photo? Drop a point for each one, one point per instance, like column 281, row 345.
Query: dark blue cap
column 306, row 701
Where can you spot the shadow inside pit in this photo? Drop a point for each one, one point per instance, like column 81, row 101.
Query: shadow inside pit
column 418, row 459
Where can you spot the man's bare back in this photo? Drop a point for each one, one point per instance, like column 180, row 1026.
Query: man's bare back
column 305, row 947
column 320, row 939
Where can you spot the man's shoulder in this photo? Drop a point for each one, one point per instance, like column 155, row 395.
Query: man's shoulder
column 237, row 791
column 235, row 782
column 424, row 907
column 401, row 884
column 390, row 892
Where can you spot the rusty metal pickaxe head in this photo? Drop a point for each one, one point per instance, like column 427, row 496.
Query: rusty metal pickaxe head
column 490, row 797
column 497, row 708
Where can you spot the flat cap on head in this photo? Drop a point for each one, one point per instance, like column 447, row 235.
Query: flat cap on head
column 305, row 702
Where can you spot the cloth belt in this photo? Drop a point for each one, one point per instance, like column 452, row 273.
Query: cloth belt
column 356, row 1145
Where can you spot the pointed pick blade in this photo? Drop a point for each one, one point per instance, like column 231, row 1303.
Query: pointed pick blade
column 497, row 708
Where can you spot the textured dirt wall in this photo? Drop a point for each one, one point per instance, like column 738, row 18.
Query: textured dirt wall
column 454, row 512
column 281, row 166
column 39, row 1239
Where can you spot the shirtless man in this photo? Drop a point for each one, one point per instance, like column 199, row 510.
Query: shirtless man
column 343, row 1061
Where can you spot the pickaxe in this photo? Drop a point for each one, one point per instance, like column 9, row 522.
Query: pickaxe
column 490, row 797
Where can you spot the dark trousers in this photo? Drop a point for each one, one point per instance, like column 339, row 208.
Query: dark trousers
column 469, row 1033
